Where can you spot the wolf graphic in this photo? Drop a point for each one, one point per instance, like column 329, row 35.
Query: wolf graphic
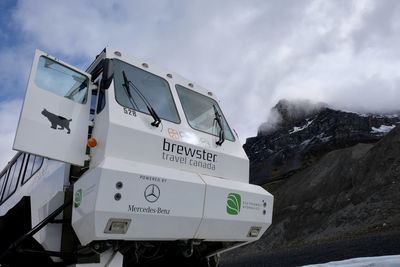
column 56, row 120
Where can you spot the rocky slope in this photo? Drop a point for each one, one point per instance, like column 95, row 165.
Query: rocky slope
column 338, row 179
column 298, row 134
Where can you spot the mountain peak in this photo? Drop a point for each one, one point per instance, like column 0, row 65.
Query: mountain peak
column 298, row 133
column 288, row 112
column 297, row 108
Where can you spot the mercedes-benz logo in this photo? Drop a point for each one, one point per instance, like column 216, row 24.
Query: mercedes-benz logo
column 152, row 193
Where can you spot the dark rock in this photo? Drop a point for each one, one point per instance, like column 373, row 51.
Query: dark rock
column 347, row 191
column 348, row 194
column 335, row 177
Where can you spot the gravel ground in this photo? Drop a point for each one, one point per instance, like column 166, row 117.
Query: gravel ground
column 367, row 246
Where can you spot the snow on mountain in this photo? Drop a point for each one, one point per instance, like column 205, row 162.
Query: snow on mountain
column 382, row 129
column 301, row 128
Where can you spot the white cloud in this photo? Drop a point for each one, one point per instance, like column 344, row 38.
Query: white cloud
column 9, row 114
column 250, row 53
column 14, row 70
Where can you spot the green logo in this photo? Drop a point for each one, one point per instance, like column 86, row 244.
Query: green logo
column 78, row 198
column 233, row 204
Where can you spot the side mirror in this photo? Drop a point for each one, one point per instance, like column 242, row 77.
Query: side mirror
column 108, row 74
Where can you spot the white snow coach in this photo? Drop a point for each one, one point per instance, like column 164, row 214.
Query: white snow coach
column 124, row 164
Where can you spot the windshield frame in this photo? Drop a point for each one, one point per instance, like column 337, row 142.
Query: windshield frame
column 214, row 102
column 179, row 120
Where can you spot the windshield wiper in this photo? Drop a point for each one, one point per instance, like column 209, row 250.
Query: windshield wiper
column 127, row 84
column 221, row 134
column 128, row 92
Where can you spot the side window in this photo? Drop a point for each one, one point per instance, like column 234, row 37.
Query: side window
column 2, row 181
column 29, row 166
column 38, row 163
column 62, row 81
column 12, row 179
column 93, row 100
column 33, row 165
column 101, row 102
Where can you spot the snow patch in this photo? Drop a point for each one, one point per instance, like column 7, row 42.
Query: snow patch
column 362, row 114
column 325, row 139
column 382, row 129
column 301, row 128
column 382, row 261
column 321, row 137
column 392, row 116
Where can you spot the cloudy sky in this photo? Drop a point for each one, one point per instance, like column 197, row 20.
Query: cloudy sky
column 250, row 53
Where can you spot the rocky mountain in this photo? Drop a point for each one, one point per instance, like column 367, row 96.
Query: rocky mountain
column 299, row 133
column 335, row 177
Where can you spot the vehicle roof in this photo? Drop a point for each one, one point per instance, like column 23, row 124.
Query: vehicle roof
column 150, row 67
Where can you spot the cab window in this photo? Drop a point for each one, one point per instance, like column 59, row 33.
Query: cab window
column 200, row 112
column 60, row 80
column 152, row 88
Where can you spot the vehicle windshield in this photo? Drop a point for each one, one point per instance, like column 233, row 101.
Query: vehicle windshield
column 154, row 89
column 200, row 112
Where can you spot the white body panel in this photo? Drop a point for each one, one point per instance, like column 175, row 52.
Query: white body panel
column 188, row 206
column 176, row 214
column 46, row 191
column 255, row 210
